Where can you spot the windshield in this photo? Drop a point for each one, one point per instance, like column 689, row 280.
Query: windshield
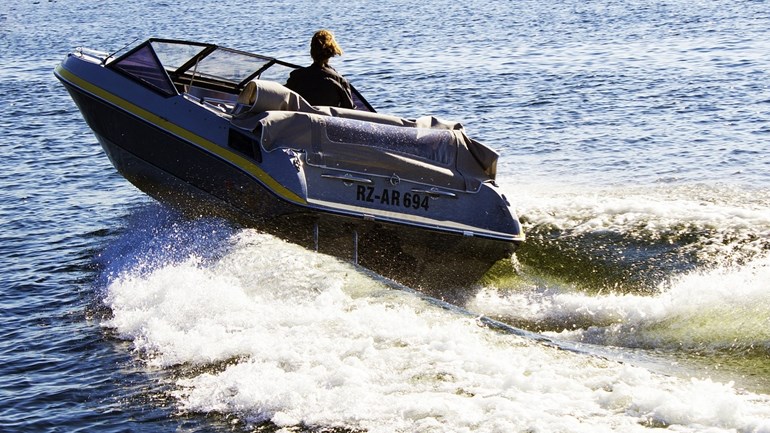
column 175, row 55
column 161, row 62
column 227, row 65
column 166, row 64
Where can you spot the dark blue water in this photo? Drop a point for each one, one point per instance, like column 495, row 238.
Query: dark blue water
column 634, row 140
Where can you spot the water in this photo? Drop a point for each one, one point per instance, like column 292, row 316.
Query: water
column 634, row 141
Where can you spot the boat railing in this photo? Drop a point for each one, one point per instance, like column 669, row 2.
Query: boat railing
column 93, row 56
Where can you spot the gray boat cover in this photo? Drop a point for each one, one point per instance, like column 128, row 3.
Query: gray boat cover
column 426, row 150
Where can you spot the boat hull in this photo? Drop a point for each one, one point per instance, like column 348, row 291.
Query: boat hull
column 173, row 170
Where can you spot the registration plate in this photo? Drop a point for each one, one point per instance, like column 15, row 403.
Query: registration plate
column 392, row 197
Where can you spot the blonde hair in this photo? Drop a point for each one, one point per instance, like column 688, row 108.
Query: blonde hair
column 323, row 46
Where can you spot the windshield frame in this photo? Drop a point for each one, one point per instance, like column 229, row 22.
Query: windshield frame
column 220, row 67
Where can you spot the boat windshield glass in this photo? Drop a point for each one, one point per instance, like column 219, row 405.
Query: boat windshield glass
column 436, row 145
column 143, row 64
column 175, row 55
column 230, row 65
column 222, row 64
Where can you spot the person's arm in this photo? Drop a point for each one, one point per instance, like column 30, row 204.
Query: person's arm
column 346, row 97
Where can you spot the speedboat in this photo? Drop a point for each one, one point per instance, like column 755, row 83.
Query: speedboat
column 213, row 130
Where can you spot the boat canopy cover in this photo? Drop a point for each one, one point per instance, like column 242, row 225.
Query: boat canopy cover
column 426, row 150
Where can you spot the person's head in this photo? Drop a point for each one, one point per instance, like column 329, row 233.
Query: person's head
column 323, row 47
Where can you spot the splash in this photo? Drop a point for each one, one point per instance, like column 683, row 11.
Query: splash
column 727, row 308
column 157, row 236
column 284, row 337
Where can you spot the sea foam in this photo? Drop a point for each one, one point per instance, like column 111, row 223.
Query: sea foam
column 282, row 335
column 716, row 223
column 724, row 308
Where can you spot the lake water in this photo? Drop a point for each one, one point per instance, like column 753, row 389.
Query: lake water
column 634, row 140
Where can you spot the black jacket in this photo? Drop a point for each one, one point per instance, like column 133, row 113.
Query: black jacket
column 321, row 85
